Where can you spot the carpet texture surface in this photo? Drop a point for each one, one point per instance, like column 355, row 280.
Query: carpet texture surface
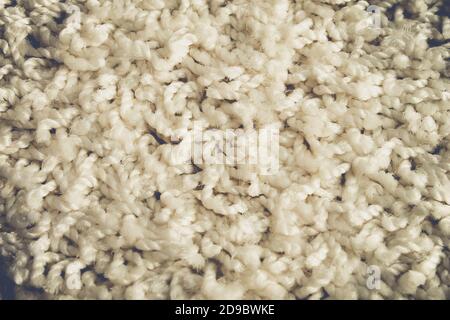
column 97, row 96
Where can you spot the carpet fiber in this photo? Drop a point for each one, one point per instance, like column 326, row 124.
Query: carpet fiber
column 97, row 96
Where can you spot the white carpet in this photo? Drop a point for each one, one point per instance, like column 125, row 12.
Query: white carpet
column 95, row 97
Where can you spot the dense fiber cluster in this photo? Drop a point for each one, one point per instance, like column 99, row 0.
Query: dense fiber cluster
column 95, row 95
